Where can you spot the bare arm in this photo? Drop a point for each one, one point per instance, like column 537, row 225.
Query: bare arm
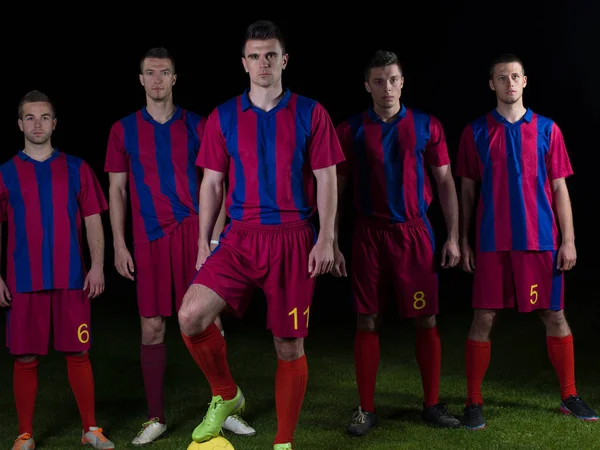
column 4, row 292
column 467, row 203
column 118, row 207
column 567, row 254
column 220, row 222
column 448, row 199
column 95, row 239
column 211, row 205
column 342, row 181
column 327, row 202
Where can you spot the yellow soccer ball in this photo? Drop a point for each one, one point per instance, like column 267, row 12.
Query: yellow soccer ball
column 217, row 443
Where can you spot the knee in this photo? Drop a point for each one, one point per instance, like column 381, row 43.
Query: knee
column 425, row 321
column 554, row 320
column 26, row 359
column 289, row 349
column 367, row 322
column 483, row 321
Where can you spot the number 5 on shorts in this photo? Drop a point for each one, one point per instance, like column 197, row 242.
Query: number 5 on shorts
column 294, row 312
column 533, row 293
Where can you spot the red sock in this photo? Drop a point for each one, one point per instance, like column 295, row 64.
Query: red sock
column 366, row 363
column 477, row 361
column 154, row 363
column 560, row 351
column 25, row 383
column 429, row 358
column 81, row 379
column 210, row 353
column 290, row 385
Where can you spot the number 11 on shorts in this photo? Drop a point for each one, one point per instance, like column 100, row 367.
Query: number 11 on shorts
column 294, row 313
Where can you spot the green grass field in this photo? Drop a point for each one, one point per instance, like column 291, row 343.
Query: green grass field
column 521, row 389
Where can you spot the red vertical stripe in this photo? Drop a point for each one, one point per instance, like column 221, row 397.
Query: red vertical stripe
column 179, row 157
column 500, row 191
column 529, row 163
column 33, row 221
column 407, row 142
column 375, row 156
column 285, row 143
column 62, row 227
column 248, row 153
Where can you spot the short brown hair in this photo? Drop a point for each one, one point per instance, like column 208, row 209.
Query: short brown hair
column 34, row 97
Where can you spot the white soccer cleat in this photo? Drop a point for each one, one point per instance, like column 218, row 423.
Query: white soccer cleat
column 150, row 431
column 24, row 442
column 237, row 425
column 96, row 439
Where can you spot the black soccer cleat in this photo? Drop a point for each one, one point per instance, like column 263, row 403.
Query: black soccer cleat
column 473, row 419
column 361, row 423
column 439, row 416
column 576, row 406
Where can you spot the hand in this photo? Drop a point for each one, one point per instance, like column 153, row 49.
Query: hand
column 450, row 254
column 204, row 252
column 339, row 263
column 124, row 263
column 5, row 297
column 468, row 259
column 94, row 281
column 567, row 256
column 320, row 259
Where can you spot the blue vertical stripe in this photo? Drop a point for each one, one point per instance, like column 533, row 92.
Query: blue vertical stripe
column 304, row 111
column 557, row 285
column 166, row 170
column 266, row 136
column 153, row 228
column 75, row 262
column 21, row 254
column 487, row 229
column 43, row 174
column 422, row 134
column 545, row 213
column 394, row 170
column 192, row 121
column 515, row 184
column 228, row 118
column 362, row 164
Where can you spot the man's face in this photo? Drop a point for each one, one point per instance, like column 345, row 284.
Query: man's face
column 385, row 85
column 158, row 78
column 37, row 122
column 264, row 61
column 508, row 81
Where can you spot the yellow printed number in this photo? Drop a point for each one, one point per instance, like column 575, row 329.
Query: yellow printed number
column 533, row 294
column 294, row 312
column 419, row 300
column 83, row 334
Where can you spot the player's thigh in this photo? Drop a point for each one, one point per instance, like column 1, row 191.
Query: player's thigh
column 228, row 273
column 28, row 323
column 71, row 320
column 183, row 254
column 493, row 283
column 538, row 283
column 411, row 259
column 368, row 271
column 154, row 277
column 288, row 287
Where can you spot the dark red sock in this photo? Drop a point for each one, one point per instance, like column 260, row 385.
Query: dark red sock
column 25, row 384
column 154, row 363
column 210, row 353
column 429, row 358
column 477, row 358
column 81, row 379
column 560, row 351
column 366, row 363
column 290, row 385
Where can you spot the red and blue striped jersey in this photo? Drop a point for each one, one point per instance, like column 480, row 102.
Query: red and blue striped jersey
column 160, row 162
column 270, row 156
column 387, row 162
column 515, row 164
column 44, row 203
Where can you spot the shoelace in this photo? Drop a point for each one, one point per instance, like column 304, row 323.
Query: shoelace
column 212, row 408
column 146, row 425
column 585, row 408
column 359, row 417
column 239, row 419
column 98, row 435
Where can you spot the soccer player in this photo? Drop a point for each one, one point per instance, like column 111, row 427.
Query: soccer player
column 275, row 145
column 154, row 150
column 45, row 198
column 516, row 162
column 389, row 150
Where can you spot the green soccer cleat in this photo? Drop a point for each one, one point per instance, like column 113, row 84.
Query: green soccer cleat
column 287, row 446
column 218, row 411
